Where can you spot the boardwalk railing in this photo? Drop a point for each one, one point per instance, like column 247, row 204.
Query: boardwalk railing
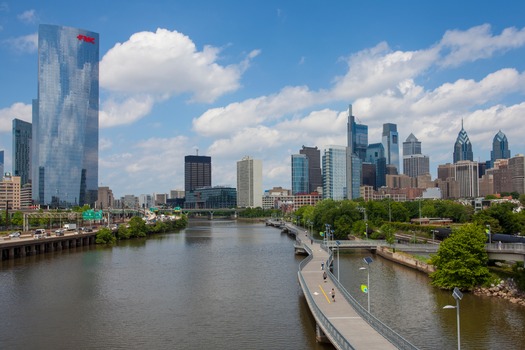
column 392, row 336
column 331, row 332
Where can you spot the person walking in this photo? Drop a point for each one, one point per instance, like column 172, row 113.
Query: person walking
column 324, row 276
column 333, row 295
column 322, row 265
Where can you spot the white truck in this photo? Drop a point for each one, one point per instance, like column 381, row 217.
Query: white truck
column 70, row 227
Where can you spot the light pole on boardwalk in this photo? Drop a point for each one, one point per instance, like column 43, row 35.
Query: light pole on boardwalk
column 458, row 296
column 368, row 260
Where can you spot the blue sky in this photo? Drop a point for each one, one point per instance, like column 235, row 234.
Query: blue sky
column 263, row 78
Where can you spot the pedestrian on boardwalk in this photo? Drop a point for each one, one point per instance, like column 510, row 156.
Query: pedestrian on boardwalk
column 333, row 295
column 311, row 241
column 324, row 276
column 322, row 265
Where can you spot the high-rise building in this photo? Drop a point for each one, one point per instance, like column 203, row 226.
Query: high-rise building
column 10, row 192
column 1, row 163
column 334, row 172
column 500, row 148
column 390, row 142
column 357, row 143
column 315, row 177
column 467, row 178
column 22, row 139
column 375, row 154
column 463, row 147
column 414, row 163
column 517, row 167
column 300, row 182
column 249, row 183
column 105, row 198
column 197, row 172
column 65, row 117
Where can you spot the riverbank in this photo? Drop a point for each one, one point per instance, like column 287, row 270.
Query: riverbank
column 506, row 289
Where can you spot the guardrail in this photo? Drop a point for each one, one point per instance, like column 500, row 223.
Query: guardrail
column 331, row 332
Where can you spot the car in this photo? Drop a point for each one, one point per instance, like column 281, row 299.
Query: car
column 14, row 235
column 59, row 232
column 39, row 233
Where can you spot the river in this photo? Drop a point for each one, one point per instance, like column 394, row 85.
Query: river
column 220, row 285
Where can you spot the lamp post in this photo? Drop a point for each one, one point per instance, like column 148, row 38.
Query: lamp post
column 489, row 233
column 368, row 260
column 366, row 231
column 337, row 243
column 458, row 296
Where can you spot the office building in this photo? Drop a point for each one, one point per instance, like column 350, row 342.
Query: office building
column 357, row 136
column 500, row 148
column 375, row 154
column 2, row 163
column 197, row 172
column 10, row 196
column 105, row 198
column 462, row 147
column 390, row 142
column 517, row 167
column 354, row 173
column 22, row 139
column 467, row 178
column 300, row 182
column 219, row 197
column 334, row 172
column 315, row 176
column 249, row 183
column 414, row 163
column 65, row 118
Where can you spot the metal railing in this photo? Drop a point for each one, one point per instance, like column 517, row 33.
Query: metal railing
column 336, row 338
column 331, row 332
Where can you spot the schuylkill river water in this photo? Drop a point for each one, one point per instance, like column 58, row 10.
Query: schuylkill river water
column 221, row 285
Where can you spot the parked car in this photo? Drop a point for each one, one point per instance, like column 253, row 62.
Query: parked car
column 14, row 235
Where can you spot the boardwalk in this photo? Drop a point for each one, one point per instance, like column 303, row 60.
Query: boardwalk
column 340, row 313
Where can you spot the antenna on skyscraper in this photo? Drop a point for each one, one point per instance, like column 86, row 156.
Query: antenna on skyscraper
column 197, row 150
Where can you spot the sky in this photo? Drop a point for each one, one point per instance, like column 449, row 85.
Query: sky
column 230, row 79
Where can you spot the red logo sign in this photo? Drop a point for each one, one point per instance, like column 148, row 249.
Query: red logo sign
column 87, row 39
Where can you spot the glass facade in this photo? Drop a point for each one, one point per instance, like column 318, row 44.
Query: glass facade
column 65, row 122
column 500, row 148
column 300, row 174
column 391, row 144
column 462, row 147
column 334, row 172
column 315, row 176
column 211, row 198
column 197, row 172
column 22, row 139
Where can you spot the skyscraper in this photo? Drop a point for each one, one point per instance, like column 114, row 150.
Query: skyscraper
column 197, row 172
column 500, row 148
column 22, row 139
column 334, row 172
column 375, row 154
column 65, row 117
column 391, row 144
column 249, row 183
column 300, row 182
column 357, row 143
column 463, row 147
column 414, row 163
column 315, row 177
column 1, row 163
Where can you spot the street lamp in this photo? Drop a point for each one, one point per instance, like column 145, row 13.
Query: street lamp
column 368, row 260
column 337, row 243
column 458, row 296
column 366, row 232
column 489, row 233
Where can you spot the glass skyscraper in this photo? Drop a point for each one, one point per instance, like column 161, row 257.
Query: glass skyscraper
column 300, row 166
column 462, row 147
column 197, row 172
column 334, row 172
column 315, row 177
column 22, row 139
column 414, row 163
column 65, row 117
column 391, row 144
column 500, row 148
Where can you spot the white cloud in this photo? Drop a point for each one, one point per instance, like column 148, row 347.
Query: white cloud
column 24, row 44
column 169, row 63
column 28, row 16
column 478, row 43
column 115, row 112
column 104, row 144
column 17, row 110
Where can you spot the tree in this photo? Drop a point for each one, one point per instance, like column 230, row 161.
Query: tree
column 137, row 227
column 105, row 236
column 461, row 260
column 389, row 233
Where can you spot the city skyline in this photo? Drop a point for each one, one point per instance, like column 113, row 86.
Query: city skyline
column 283, row 81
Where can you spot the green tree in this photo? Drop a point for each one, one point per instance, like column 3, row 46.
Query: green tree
column 461, row 260
column 105, row 236
column 137, row 227
column 389, row 233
